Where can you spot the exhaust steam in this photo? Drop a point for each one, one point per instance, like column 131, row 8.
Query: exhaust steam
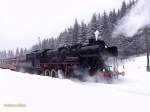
column 137, row 18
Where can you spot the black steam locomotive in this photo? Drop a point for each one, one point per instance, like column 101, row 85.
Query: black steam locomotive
column 67, row 59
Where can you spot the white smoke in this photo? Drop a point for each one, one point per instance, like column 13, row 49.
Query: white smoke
column 137, row 18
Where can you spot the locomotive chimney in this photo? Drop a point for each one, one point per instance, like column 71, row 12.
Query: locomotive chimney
column 96, row 35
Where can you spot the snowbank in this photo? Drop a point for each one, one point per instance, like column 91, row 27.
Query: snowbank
column 46, row 94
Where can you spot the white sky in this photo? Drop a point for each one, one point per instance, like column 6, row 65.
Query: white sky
column 23, row 21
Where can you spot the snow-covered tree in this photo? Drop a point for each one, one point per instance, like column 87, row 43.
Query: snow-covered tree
column 75, row 33
column 82, row 33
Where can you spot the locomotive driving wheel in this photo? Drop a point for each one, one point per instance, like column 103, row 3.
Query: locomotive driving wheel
column 51, row 73
column 54, row 73
column 47, row 72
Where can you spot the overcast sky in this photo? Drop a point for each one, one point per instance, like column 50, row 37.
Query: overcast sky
column 23, row 21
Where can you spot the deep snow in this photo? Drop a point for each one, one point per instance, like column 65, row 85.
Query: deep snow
column 45, row 94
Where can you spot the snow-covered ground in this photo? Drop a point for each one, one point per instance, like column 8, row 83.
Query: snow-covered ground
column 45, row 94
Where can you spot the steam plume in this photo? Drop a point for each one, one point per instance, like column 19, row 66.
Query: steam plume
column 138, row 17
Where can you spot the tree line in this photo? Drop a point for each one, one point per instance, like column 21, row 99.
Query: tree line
column 80, row 33
column 11, row 54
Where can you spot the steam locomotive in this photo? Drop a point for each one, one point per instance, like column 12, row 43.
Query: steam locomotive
column 67, row 59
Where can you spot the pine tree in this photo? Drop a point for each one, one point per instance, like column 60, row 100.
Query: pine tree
column 93, row 23
column 75, row 33
column 45, row 44
column 123, row 9
column 17, row 52
column 10, row 54
column 92, row 27
column 5, row 54
column 66, row 37
column 104, row 29
column 70, row 36
column 61, row 40
column 25, row 51
column 112, row 21
column 99, row 18
column 82, row 33
column 113, row 18
column 119, row 14
column 52, row 43
column 21, row 52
